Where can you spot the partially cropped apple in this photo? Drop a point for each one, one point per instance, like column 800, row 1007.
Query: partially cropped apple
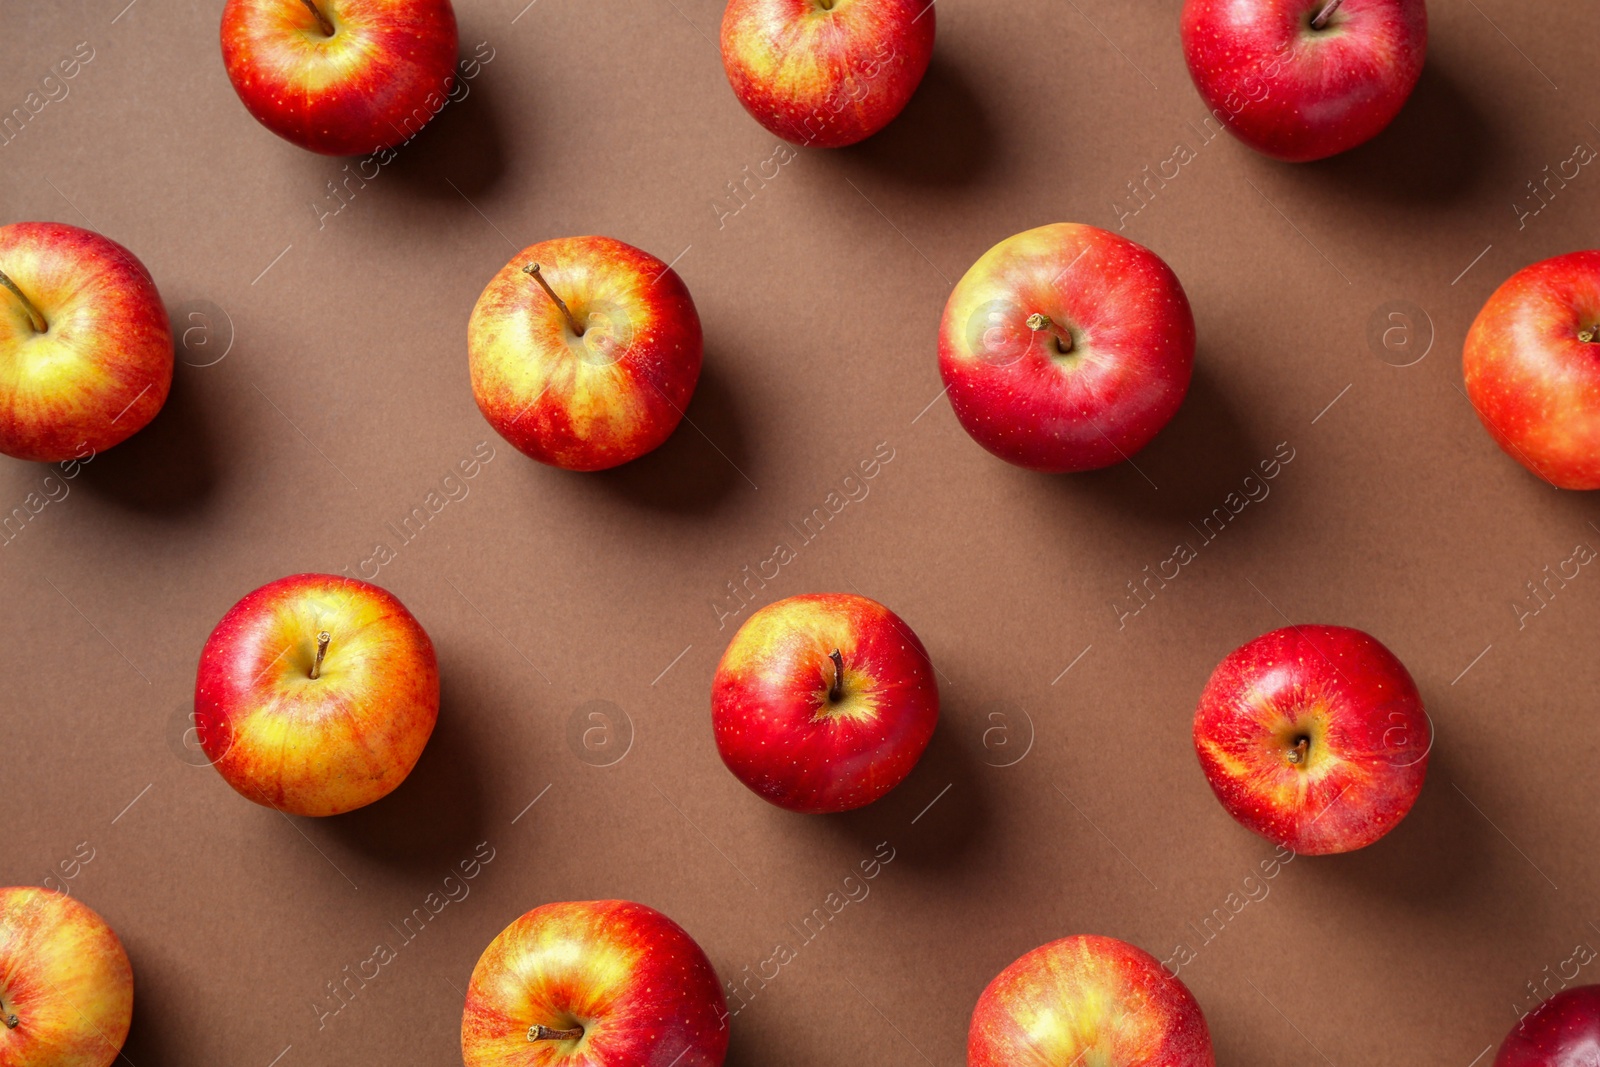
column 341, row 77
column 823, row 702
column 316, row 694
column 600, row 983
column 1563, row 1031
column 66, row 989
column 1088, row 1000
column 1300, row 80
column 584, row 352
column 1066, row 348
column 85, row 343
column 1314, row 737
column 826, row 73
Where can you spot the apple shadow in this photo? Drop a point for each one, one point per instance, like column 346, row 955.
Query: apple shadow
column 169, row 466
column 156, row 1014
column 943, row 139
column 463, row 145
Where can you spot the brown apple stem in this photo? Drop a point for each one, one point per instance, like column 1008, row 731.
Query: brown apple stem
column 836, row 690
column 10, row 1019
column 1321, row 20
column 322, row 20
column 544, row 1033
column 532, row 270
column 39, row 325
column 1297, row 755
column 1037, row 322
column 1589, row 336
column 322, row 650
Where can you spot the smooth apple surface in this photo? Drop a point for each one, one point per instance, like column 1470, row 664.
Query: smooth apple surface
column 66, row 988
column 1532, row 366
column 1066, row 348
column 813, row 733
column 826, row 73
column 85, row 344
column 309, row 734
column 1314, row 737
column 348, row 78
column 1298, row 88
column 594, row 371
column 600, row 983
column 1088, row 1000
column 1563, row 1031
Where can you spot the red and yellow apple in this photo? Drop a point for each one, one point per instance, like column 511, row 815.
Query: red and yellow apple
column 1066, row 348
column 85, row 345
column 1314, row 737
column 316, row 694
column 1563, row 1031
column 599, row 983
column 1088, row 1000
column 1532, row 365
column 341, row 77
column 66, row 988
column 823, row 702
column 826, row 73
column 1304, row 79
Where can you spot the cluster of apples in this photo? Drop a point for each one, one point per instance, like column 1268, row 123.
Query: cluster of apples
column 1064, row 348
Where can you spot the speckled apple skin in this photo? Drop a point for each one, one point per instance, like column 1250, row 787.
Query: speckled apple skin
column 775, row 727
column 1088, row 1000
column 1563, row 1031
column 1369, row 738
column 638, row 984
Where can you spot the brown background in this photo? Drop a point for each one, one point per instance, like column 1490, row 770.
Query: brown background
column 343, row 400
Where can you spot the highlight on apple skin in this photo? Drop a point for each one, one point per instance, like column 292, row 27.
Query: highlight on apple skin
column 1563, row 1031
column 826, row 73
column 316, row 694
column 85, row 339
column 1066, row 348
column 66, row 987
column 599, row 983
column 341, row 77
column 1314, row 737
column 1088, row 1000
column 584, row 352
column 823, row 702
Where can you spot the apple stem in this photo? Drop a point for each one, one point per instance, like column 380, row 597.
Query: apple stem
column 34, row 317
column 1297, row 755
column 322, row 20
column 544, row 1033
column 1321, row 20
column 10, row 1019
column 532, row 270
column 1589, row 336
column 1037, row 322
column 836, row 691
column 322, row 650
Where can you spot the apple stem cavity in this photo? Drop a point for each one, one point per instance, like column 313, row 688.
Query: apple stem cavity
column 34, row 317
column 836, row 690
column 1320, row 22
column 1038, row 322
column 322, row 650
column 533, row 271
column 1297, row 754
column 322, row 20
column 544, row 1033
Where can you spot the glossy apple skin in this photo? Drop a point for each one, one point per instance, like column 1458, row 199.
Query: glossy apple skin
column 66, row 978
column 1368, row 738
column 1564, row 1031
column 779, row 732
column 1129, row 368
column 596, row 401
column 103, row 366
column 1299, row 94
column 316, row 746
column 1534, row 384
column 1088, row 1000
column 826, row 78
column 634, row 980
column 386, row 71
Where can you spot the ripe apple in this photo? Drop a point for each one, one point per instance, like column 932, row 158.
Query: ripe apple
column 1305, row 79
column 1088, row 1000
column 84, row 342
column 1066, row 348
column 1314, row 737
column 584, row 352
column 316, row 694
column 1532, row 364
column 827, row 73
column 341, row 77
column 823, row 702
column 66, row 989
column 597, row 983
column 1563, row 1031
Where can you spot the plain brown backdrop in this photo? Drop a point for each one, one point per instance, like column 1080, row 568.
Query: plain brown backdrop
column 342, row 401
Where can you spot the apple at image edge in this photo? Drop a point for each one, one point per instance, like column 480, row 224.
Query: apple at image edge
column 1563, row 1031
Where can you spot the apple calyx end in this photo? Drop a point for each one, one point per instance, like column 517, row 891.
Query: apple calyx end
column 540, row 1032
column 322, row 650
column 1038, row 322
column 836, row 690
column 1320, row 20
column 534, row 271
column 35, row 317
column 323, row 23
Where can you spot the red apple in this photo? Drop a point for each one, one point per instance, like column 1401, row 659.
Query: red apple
column 84, row 340
column 1314, row 737
column 1305, row 79
column 584, row 352
column 1088, row 1000
column 1066, row 348
column 316, row 694
column 598, row 983
column 823, row 702
column 341, row 77
column 1532, row 364
column 66, row 989
column 1564, row 1031
column 827, row 73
